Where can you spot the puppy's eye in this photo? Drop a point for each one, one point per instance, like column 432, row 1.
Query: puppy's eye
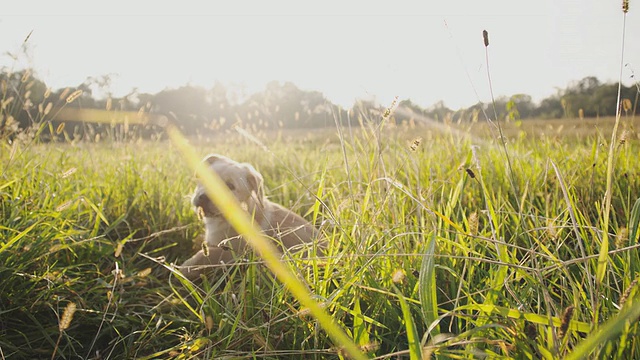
column 230, row 186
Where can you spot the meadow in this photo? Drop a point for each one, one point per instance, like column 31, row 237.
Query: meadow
column 446, row 241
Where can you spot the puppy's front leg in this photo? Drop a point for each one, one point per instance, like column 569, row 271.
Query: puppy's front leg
column 197, row 264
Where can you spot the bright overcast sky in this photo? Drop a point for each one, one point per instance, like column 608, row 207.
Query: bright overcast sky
column 345, row 49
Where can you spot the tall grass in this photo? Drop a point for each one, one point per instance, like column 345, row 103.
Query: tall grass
column 432, row 226
column 438, row 247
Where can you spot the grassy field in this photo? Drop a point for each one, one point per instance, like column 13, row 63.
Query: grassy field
column 437, row 247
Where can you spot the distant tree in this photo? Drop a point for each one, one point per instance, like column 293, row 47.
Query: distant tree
column 523, row 104
column 549, row 108
column 285, row 105
column 191, row 106
column 439, row 111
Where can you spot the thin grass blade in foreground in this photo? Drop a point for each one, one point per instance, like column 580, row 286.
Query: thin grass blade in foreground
column 427, row 287
column 415, row 352
column 224, row 200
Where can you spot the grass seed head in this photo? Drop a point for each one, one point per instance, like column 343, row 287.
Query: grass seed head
column 64, row 93
column 47, row 108
column 26, row 76
column 625, row 6
column 398, row 276
column 67, row 316
column 473, row 223
column 566, row 319
column 205, row 248
column 118, row 249
column 208, row 322
column 388, row 111
column 622, row 238
column 485, row 37
column 64, row 206
column 144, row 273
column 626, row 105
column 552, row 230
column 415, row 144
column 69, row 172
column 470, row 173
column 370, row 347
column 627, row 292
column 76, row 94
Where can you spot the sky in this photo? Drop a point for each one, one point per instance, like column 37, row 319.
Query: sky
column 426, row 51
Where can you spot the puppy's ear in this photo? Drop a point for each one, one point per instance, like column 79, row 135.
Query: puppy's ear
column 255, row 181
column 210, row 159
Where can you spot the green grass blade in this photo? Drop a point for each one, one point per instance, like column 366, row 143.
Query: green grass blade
column 16, row 238
column 488, row 309
column 427, row 284
column 413, row 338
column 634, row 221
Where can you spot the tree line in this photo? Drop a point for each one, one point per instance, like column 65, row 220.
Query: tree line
column 28, row 101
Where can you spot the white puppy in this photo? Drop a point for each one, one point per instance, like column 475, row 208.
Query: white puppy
column 223, row 243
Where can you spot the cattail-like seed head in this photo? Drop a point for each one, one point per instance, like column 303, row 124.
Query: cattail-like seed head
column 369, row 347
column 398, row 276
column 144, row 273
column 26, row 76
column 624, row 137
column 625, row 6
column 485, row 36
column 64, row 93
column 566, row 319
column 47, row 108
column 473, row 223
column 67, row 316
column 6, row 102
column 552, row 229
column 205, row 248
column 622, row 238
column 118, row 249
column 69, row 172
column 390, row 109
column 626, row 105
column 60, row 128
column 64, row 206
column 627, row 292
column 470, row 173
column 415, row 144
column 74, row 95
column 208, row 322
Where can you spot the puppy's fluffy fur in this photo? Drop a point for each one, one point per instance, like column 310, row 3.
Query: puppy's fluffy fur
column 224, row 244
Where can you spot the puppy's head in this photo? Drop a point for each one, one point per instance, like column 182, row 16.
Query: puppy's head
column 242, row 180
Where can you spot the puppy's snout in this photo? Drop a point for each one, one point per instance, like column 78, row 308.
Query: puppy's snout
column 201, row 200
